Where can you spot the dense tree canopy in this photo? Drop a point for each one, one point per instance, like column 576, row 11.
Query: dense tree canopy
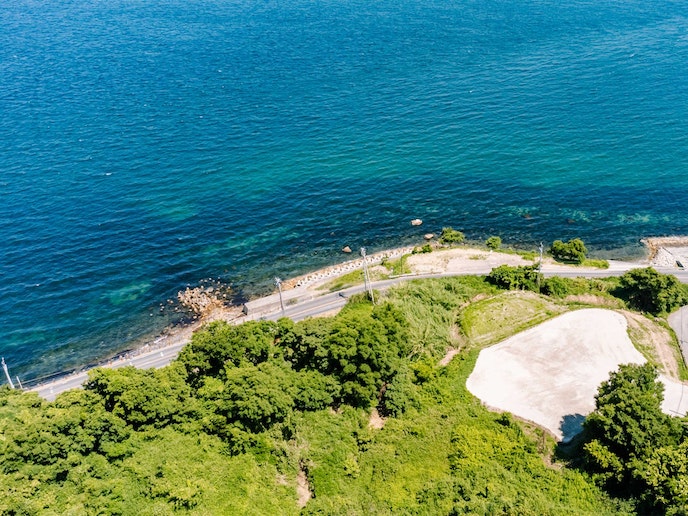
column 221, row 344
column 257, row 397
column 248, row 413
column 52, row 434
column 650, row 291
column 156, row 397
column 632, row 447
column 239, row 384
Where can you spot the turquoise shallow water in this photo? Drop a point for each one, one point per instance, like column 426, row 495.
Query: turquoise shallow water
column 147, row 146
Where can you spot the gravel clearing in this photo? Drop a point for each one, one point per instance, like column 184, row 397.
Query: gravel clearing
column 549, row 374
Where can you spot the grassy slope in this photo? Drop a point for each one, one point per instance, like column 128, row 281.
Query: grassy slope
column 446, row 453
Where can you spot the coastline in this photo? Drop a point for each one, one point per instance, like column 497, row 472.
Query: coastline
column 176, row 336
column 464, row 259
column 669, row 251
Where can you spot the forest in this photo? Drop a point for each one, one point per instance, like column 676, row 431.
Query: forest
column 352, row 414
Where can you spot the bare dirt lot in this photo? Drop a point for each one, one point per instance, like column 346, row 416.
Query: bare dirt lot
column 549, row 374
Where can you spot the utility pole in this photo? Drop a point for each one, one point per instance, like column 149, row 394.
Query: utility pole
column 540, row 266
column 366, row 279
column 681, row 341
column 278, row 282
column 7, row 373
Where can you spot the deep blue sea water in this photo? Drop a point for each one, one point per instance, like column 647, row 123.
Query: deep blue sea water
column 147, row 146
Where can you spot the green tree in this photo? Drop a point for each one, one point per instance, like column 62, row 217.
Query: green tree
column 361, row 347
column 650, row 291
column 257, row 397
column 151, row 397
column 399, row 394
column 58, row 435
column 221, row 343
column 303, row 345
column 627, row 425
column 665, row 474
column 450, row 235
column 524, row 277
column 494, row 242
column 396, row 327
column 364, row 349
column 573, row 251
column 315, row 391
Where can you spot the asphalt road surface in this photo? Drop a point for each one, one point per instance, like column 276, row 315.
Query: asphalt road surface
column 679, row 323
column 326, row 303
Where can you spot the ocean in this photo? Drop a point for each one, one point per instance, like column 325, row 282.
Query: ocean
column 150, row 146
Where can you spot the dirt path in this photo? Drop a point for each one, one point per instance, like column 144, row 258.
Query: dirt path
column 376, row 421
column 451, row 353
column 655, row 342
column 303, row 490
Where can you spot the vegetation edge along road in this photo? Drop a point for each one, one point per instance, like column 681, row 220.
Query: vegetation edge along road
column 249, row 414
column 322, row 303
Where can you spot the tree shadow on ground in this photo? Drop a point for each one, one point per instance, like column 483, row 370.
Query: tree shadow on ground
column 570, row 448
column 571, row 425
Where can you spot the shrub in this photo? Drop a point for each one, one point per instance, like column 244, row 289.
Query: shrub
column 398, row 266
column 556, row 287
column 573, row 251
column 515, row 278
column 427, row 248
column 599, row 264
column 451, row 236
column 494, row 242
column 650, row 291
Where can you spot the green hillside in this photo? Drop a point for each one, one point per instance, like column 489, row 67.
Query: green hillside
column 345, row 415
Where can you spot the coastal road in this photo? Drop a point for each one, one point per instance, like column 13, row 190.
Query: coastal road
column 325, row 303
column 146, row 360
column 679, row 323
column 333, row 301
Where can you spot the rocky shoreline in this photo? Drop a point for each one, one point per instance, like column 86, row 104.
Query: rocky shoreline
column 209, row 304
column 669, row 251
